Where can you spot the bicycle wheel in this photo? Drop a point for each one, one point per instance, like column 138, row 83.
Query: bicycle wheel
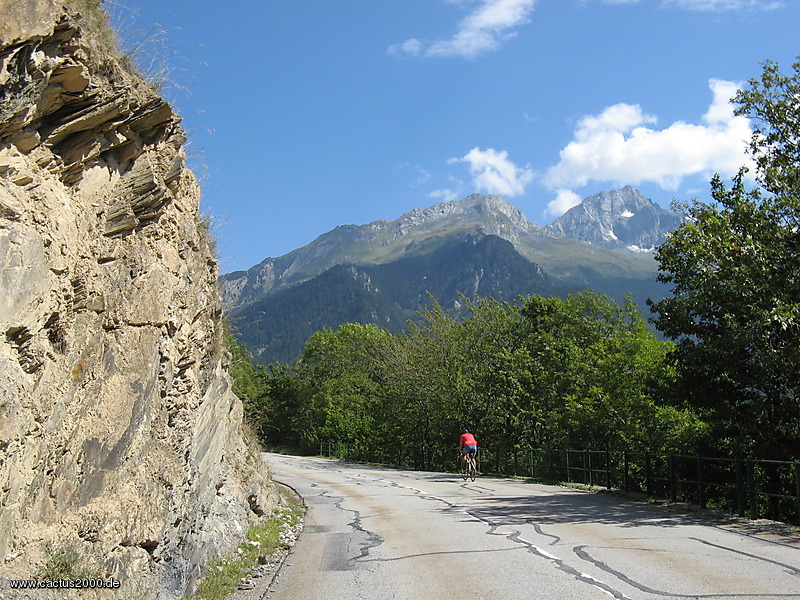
column 463, row 468
column 472, row 469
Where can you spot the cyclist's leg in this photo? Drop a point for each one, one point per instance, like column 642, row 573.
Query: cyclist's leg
column 470, row 451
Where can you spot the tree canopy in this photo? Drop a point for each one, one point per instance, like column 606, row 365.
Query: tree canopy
column 734, row 268
column 577, row 372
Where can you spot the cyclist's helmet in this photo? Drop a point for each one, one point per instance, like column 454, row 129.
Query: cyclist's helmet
column 463, row 431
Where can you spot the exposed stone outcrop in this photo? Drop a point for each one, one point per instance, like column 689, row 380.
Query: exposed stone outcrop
column 120, row 437
column 621, row 219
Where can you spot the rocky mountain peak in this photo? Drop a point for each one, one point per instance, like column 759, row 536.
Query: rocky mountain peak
column 492, row 214
column 621, row 219
column 418, row 230
column 498, row 206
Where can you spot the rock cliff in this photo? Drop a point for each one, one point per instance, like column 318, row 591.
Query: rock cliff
column 619, row 220
column 120, row 437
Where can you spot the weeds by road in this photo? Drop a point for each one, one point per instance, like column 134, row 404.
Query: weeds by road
column 256, row 560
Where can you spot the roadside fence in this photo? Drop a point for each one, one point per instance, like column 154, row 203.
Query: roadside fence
column 748, row 487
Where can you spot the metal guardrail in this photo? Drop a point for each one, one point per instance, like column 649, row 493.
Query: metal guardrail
column 749, row 487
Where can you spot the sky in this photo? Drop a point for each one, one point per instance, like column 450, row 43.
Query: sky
column 303, row 115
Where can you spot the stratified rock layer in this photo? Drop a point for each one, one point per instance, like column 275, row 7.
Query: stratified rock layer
column 120, row 437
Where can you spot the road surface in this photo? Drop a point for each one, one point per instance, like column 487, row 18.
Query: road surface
column 380, row 533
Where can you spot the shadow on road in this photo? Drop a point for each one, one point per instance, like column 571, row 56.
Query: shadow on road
column 575, row 507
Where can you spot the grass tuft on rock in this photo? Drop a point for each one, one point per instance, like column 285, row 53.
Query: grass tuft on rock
column 263, row 538
column 65, row 563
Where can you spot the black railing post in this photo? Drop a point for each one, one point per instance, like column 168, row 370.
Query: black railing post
column 740, row 488
column 608, row 470
column 673, row 487
column 587, row 468
column 626, row 481
column 797, row 482
column 751, row 489
column 566, row 455
column 700, row 484
column 648, row 475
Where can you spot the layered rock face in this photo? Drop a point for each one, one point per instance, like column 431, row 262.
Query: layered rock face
column 120, row 437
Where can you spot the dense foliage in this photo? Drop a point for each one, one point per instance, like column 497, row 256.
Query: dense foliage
column 734, row 267
column 580, row 372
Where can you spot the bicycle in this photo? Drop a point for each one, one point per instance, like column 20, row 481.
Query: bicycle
column 468, row 467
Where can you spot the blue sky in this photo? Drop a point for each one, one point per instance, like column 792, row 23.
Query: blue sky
column 307, row 114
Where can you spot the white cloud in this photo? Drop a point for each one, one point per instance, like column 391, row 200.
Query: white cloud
column 483, row 30
column 493, row 22
column 721, row 110
column 445, row 195
column 620, row 117
column 564, row 200
column 411, row 47
column 617, row 146
column 494, row 173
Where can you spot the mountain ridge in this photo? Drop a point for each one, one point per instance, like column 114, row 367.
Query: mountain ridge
column 421, row 230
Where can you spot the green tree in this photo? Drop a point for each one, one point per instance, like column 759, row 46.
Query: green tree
column 290, row 422
column 426, row 386
column 599, row 376
column 340, row 373
column 773, row 101
column 498, row 364
column 734, row 268
column 580, row 372
column 250, row 384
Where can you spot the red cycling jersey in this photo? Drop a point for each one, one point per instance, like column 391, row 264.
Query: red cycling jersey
column 467, row 439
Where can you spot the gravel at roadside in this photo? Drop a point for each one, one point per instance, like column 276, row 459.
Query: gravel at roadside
column 256, row 584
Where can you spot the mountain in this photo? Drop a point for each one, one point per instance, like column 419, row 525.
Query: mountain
column 388, row 295
column 379, row 242
column 619, row 220
column 421, row 231
column 382, row 272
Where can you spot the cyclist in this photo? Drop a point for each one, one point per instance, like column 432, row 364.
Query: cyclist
column 467, row 446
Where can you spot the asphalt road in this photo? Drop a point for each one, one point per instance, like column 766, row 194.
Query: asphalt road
column 380, row 533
